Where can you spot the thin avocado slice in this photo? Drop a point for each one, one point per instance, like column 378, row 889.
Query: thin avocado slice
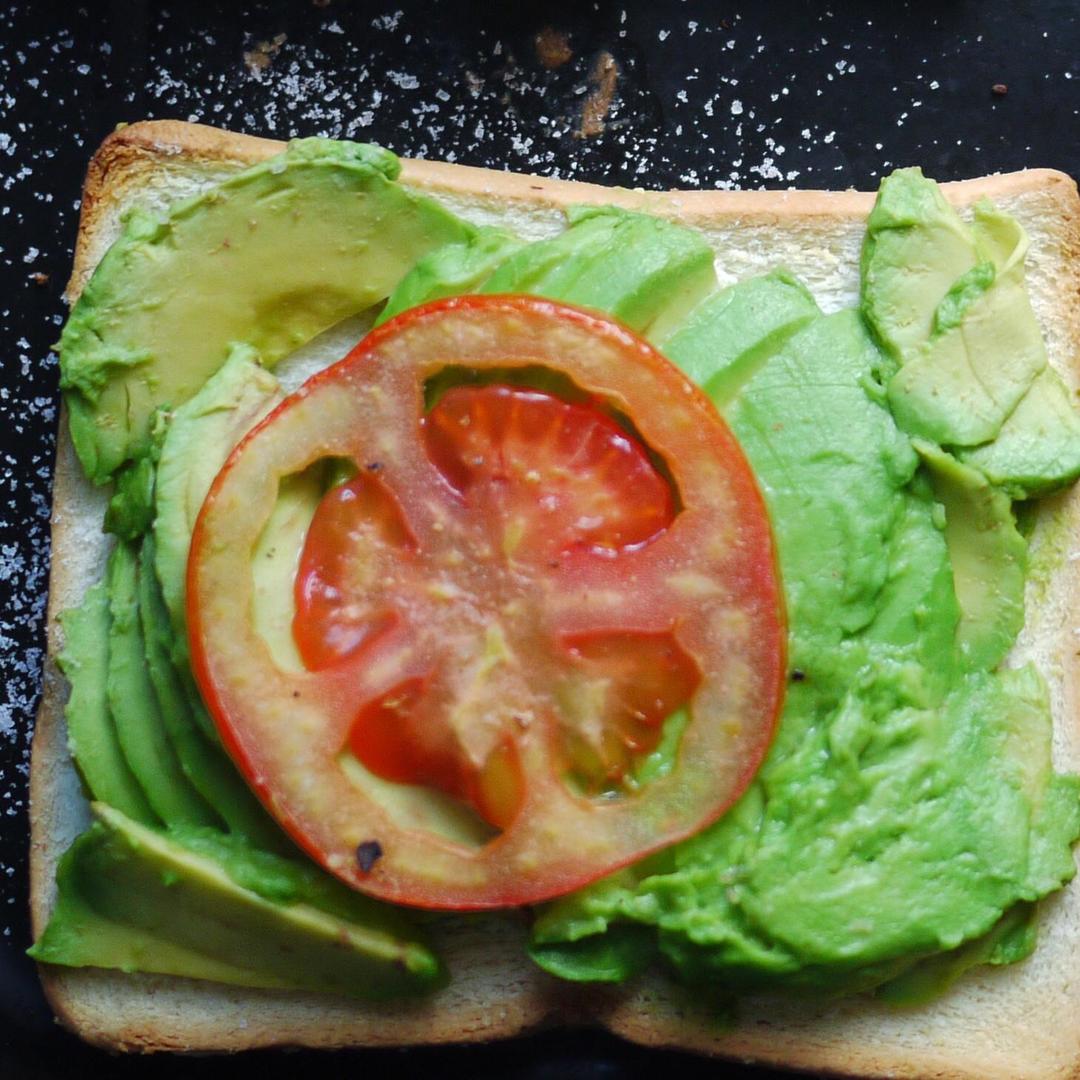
column 1037, row 450
column 271, row 257
column 451, row 271
column 726, row 337
column 131, row 509
column 139, row 724
column 201, row 434
column 203, row 762
column 1038, row 447
column 182, row 903
column 988, row 556
column 959, row 385
column 916, row 247
column 92, row 737
column 641, row 270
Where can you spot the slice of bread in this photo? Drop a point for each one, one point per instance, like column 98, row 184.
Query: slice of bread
column 1022, row 1021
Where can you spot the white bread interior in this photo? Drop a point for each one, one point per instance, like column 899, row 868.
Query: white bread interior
column 1022, row 1021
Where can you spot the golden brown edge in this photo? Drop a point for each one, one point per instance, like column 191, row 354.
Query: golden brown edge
column 122, row 159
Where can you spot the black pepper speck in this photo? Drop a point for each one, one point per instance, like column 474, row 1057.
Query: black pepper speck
column 368, row 854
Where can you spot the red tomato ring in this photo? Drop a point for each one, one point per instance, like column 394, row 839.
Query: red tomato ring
column 709, row 579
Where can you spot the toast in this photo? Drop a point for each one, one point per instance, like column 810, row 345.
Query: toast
column 1016, row 1022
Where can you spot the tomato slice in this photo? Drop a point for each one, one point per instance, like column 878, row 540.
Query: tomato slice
column 529, row 585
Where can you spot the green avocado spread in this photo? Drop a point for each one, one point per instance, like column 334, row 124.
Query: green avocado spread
column 316, row 234
column 907, row 818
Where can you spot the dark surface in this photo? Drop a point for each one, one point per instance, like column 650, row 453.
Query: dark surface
column 709, row 94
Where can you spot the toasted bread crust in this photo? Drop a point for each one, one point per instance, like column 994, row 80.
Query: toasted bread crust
column 498, row 993
column 124, row 158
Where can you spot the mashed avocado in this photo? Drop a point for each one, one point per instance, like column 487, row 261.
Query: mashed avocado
column 896, row 815
column 907, row 817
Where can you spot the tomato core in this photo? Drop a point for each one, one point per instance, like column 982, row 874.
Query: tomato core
column 546, row 478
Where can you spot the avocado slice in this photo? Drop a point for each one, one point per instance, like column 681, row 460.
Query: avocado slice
column 988, row 556
column 949, row 302
column 916, row 247
column 131, row 509
column 641, row 270
column 728, row 335
column 271, row 257
column 139, row 725
column 983, row 351
column 92, row 737
column 203, row 762
column 1037, row 449
column 451, row 271
column 201, row 434
column 203, row 906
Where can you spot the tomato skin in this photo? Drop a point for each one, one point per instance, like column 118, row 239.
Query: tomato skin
column 710, row 578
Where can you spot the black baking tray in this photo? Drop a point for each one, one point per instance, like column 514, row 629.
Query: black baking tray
column 711, row 94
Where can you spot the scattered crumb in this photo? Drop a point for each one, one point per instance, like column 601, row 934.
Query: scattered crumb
column 262, row 56
column 39, row 278
column 553, row 48
column 603, row 78
column 999, row 89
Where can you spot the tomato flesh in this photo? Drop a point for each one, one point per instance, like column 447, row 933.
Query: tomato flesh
column 333, row 618
column 388, row 736
column 555, row 475
column 400, row 736
column 645, row 677
column 516, row 600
